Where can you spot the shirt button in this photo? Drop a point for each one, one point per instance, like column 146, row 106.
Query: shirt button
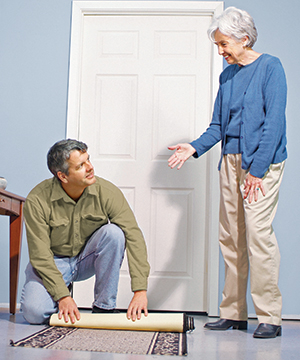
column 243, row 108
column 242, row 137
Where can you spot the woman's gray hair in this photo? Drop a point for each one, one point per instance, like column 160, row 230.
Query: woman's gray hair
column 234, row 23
column 59, row 154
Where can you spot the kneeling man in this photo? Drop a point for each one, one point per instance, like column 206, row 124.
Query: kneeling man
column 78, row 225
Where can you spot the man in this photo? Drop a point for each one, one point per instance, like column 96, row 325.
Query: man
column 77, row 226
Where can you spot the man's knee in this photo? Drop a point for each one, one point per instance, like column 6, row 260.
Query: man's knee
column 113, row 235
column 35, row 313
column 113, row 230
column 36, row 303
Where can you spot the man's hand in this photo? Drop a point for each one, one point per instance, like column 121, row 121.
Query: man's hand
column 252, row 186
column 138, row 303
column 67, row 307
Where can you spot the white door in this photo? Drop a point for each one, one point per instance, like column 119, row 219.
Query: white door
column 146, row 83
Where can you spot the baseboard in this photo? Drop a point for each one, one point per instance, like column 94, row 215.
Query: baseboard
column 284, row 317
column 6, row 306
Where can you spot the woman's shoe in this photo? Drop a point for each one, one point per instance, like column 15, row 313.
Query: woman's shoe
column 224, row 324
column 267, row 331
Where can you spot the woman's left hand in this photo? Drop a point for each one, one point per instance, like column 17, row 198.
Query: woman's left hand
column 252, row 186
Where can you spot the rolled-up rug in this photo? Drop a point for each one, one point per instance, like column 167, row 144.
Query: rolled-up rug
column 163, row 322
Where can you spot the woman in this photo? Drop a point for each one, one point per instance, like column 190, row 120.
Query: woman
column 249, row 120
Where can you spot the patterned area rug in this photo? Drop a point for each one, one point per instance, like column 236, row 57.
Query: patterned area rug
column 112, row 341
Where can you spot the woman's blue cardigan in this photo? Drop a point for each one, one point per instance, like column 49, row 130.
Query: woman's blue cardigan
column 263, row 122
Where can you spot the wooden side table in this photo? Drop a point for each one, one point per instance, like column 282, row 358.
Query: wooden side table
column 12, row 205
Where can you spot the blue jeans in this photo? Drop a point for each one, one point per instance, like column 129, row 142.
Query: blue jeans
column 102, row 256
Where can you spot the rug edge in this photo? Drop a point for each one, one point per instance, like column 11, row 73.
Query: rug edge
column 17, row 343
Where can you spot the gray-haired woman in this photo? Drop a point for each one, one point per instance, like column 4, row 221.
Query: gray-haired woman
column 249, row 120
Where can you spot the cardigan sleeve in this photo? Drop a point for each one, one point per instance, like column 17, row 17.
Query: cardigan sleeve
column 274, row 93
column 213, row 133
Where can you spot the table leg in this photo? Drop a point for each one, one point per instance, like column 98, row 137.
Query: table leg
column 16, row 227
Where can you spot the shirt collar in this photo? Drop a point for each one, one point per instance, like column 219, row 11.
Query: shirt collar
column 91, row 190
column 59, row 193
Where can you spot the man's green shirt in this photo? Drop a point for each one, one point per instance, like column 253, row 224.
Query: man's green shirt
column 57, row 225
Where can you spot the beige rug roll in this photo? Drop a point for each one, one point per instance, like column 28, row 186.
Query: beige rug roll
column 164, row 322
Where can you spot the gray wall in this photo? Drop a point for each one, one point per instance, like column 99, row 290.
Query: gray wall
column 34, row 43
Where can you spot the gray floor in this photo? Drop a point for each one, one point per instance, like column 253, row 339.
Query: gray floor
column 202, row 344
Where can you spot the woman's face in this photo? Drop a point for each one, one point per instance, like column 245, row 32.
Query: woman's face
column 232, row 50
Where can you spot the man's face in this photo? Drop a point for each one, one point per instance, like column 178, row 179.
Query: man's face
column 81, row 171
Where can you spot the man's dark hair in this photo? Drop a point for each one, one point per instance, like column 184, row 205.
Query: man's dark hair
column 59, row 154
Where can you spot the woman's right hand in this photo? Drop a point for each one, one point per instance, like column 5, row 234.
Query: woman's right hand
column 181, row 155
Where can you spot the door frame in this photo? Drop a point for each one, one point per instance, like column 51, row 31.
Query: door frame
column 192, row 8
